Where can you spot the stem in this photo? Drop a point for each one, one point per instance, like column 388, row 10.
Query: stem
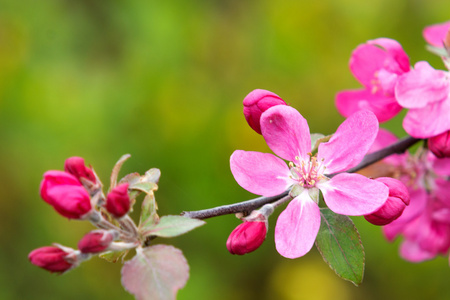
column 252, row 204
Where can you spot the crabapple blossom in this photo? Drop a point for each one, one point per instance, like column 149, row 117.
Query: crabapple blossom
column 436, row 34
column 426, row 93
column 396, row 203
column 440, row 145
column 377, row 65
column 75, row 166
column 287, row 135
column 65, row 193
column 51, row 258
column 257, row 102
column 117, row 201
column 96, row 241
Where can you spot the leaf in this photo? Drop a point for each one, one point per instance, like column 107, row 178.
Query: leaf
column 114, row 256
column 317, row 139
column 339, row 243
column 155, row 273
column 148, row 211
column 171, row 226
column 116, row 169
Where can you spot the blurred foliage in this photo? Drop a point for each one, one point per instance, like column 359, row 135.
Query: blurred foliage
column 164, row 81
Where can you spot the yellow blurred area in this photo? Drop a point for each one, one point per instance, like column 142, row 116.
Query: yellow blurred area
column 164, row 81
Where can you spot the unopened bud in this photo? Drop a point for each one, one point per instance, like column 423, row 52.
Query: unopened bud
column 118, row 202
column 75, row 166
column 257, row 102
column 51, row 258
column 66, row 194
column 440, row 145
column 96, row 241
column 396, row 202
column 248, row 236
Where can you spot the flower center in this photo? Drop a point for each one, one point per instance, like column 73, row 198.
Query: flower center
column 307, row 172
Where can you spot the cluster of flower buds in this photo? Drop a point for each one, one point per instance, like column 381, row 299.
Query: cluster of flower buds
column 76, row 193
column 249, row 235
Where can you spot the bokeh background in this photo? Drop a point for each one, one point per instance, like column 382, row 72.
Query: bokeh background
column 164, row 81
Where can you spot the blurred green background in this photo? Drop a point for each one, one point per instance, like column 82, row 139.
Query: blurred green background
column 164, row 81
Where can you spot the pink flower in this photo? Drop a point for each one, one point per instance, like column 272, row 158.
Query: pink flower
column 287, row 134
column 436, row 34
column 66, row 194
column 247, row 237
column 50, row 258
column 96, row 241
column 396, row 203
column 377, row 65
column 426, row 93
column 440, row 145
column 257, row 102
column 118, row 202
column 75, row 166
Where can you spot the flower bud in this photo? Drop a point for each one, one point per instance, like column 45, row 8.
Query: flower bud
column 440, row 145
column 396, row 202
column 75, row 166
column 257, row 102
column 118, row 202
column 51, row 258
column 247, row 237
column 96, row 241
column 66, row 194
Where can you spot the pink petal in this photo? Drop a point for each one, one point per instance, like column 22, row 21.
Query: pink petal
column 422, row 86
column 286, row 132
column 344, row 151
column 260, row 173
column 412, row 252
column 297, row 227
column 441, row 166
column 351, row 101
column 365, row 61
column 435, row 34
column 396, row 52
column 353, row 194
column 418, row 201
column 428, row 121
column 392, row 230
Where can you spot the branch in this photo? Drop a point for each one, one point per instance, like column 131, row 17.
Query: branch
column 252, row 204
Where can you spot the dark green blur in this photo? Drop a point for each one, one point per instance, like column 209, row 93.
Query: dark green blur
column 164, row 81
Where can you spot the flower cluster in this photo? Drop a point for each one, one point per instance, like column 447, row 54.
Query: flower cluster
column 390, row 83
column 287, row 134
column 76, row 193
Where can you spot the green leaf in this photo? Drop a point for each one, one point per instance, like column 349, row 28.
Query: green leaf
column 155, row 273
column 317, row 139
column 171, row 226
column 149, row 216
column 339, row 243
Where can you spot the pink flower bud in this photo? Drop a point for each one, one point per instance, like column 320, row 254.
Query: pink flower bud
column 96, row 241
column 247, row 237
column 118, row 202
column 440, row 145
column 396, row 202
column 66, row 194
column 50, row 258
column 75, row 166
column 257, row 102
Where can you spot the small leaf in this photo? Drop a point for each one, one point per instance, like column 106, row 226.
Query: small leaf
column 339, row 243
column 155, row 273
column 116, row 170
column 148, row 211
column 170, row 226
column 437, row 50
column 114, row 256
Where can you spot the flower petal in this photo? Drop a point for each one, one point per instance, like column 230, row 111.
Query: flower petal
column 435, row 34
column 428, row 121
column 260, row 173
column 297, row 227
column 286, row 132
column 412, row 252
column 351, row 101
column 353, row 194
column 386, row 138
column 343, row 150
column 400, row 60
column 422, row 86
column 365, row 61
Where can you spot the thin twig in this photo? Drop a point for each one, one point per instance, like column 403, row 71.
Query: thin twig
column 252, row 204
